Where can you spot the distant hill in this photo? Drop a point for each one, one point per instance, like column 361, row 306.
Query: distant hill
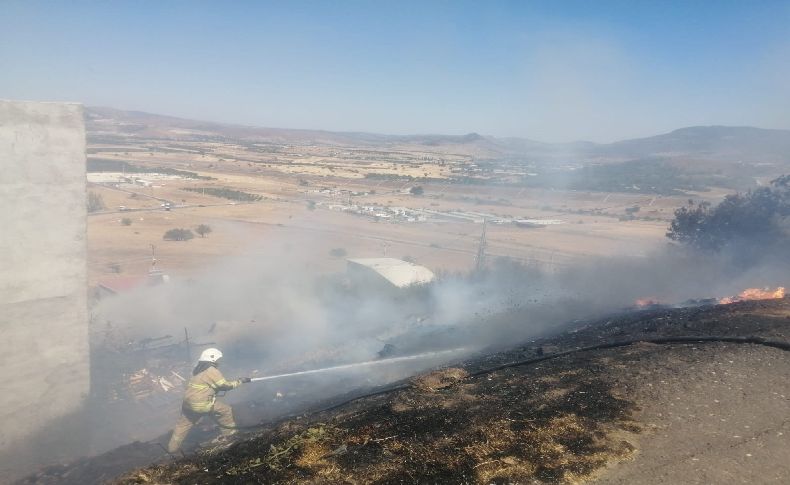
column 141, row 123
column 725, row 143
column 712, row 143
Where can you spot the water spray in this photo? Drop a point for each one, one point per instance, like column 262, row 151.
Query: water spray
column 369, row 363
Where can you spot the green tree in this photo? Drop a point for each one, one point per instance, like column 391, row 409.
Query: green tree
column 203, row 230
column 178, row 235
column 753, row 218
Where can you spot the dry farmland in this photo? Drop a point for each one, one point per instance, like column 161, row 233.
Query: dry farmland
column 309, row 209
column 264, row 191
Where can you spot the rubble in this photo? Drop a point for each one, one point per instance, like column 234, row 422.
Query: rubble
column 143, row 384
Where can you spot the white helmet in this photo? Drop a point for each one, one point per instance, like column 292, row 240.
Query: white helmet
column 210, row 355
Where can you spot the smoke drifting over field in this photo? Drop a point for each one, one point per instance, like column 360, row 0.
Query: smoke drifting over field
column 265, row 314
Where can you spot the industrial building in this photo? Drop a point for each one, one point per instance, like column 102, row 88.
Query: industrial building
column 395, row 272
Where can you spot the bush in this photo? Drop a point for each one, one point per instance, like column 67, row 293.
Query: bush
column 126, row 221
column 417, row 190
column 753, row 218
column 338, row 252
column 203, row 229
column 178, row 235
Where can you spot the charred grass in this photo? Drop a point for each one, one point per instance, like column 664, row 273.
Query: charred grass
column 559, row 421
column 548, row 424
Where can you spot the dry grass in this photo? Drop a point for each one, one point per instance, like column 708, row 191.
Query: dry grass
column 446, row 428
column 283, row 217
column 439, row 379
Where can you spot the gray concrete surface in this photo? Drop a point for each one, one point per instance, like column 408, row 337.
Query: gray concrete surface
column 44, row 349
column 713, row 414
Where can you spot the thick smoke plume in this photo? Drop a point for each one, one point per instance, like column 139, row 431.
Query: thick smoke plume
column 270, row 314
column 265, row 314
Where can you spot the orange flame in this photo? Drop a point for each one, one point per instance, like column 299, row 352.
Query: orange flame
column 645, row 302
column 754, row 294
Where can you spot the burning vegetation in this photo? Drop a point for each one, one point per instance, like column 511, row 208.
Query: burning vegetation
column 541, row 324
column 562, row 420
column 754, row 294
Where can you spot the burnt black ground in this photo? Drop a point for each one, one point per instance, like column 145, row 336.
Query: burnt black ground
column 680, row 413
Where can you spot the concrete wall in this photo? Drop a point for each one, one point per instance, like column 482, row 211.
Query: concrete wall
column 44, row 349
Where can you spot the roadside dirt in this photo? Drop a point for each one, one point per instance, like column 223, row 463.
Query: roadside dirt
column 644, row 413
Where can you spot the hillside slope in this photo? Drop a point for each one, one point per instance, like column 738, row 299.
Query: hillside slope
column 724, row 143
column 672, row 413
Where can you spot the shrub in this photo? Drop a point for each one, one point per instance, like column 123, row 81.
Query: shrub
column 203, row 230
column 178, row 235
column 338, row 252
column 753, row 218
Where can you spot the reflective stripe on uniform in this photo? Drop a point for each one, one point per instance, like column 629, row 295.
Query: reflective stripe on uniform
column 199, row 386
column 201, row 407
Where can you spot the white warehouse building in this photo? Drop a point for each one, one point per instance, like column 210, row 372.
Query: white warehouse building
column 396, row 272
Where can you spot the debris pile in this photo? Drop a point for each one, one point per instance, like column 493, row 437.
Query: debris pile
column 144, row 384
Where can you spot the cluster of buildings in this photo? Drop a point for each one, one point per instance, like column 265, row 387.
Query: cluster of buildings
column 405, row 214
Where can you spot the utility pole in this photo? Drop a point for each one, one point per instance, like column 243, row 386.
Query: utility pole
column 153, row 259
column 481, row 250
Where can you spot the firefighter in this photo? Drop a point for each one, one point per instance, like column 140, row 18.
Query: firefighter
column 200, row 399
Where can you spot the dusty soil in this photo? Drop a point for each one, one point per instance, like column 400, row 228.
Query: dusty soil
column 644, row 413
column 282, row 222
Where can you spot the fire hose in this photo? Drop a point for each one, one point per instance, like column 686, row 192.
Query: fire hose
column 610, row 345
column 359, row 364
column 778, row 344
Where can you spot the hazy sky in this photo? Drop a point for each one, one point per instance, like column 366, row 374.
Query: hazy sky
column 548, row 70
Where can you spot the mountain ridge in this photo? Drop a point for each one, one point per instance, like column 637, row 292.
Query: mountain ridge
column 707, row 142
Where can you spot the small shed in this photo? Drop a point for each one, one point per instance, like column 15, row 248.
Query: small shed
column 396, row 272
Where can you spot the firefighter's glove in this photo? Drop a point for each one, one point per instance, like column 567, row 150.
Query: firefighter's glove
column 245, row 380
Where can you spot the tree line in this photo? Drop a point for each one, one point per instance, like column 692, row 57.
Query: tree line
column 753, row 219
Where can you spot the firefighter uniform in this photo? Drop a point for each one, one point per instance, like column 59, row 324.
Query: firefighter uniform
column 200, row 400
